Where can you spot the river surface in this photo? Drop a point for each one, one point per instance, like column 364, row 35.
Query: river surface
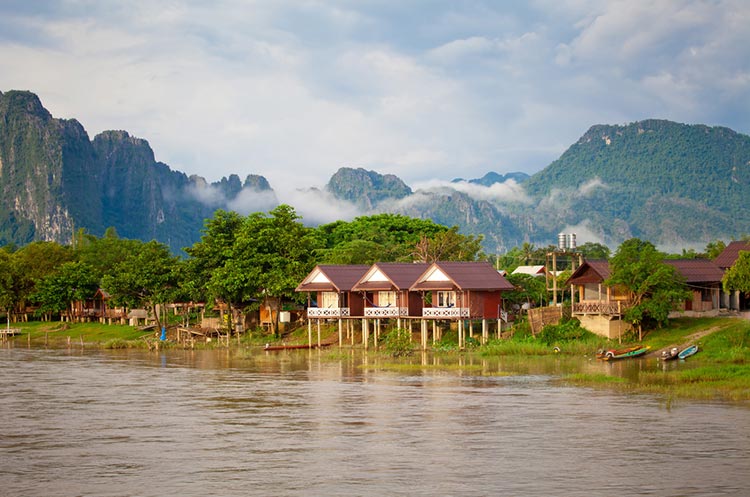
column 199, row 423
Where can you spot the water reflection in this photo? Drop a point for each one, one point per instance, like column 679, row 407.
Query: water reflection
column 227, row 423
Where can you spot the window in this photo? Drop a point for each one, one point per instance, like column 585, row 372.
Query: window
column 329, row 299
column 446, row 299
column 386, row 299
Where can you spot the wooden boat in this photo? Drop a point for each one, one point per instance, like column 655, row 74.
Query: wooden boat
column 670, row 355
column 270, row 347
column 601, row 354
column 688, row 352
column 612, row 355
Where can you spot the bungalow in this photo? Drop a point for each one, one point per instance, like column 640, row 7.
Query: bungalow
column 334, row 298
column 332, row 286
column 460, row 291
column 703, row 278
column 385, row 290
column 734, row 300
column 599, row 308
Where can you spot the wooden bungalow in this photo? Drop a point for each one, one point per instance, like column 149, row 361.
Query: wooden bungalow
column 97, row 308
column 598, row 307
column 734, row 300
column 332, row 286
column 703, row 278
column 461, row 291
column 385, row 290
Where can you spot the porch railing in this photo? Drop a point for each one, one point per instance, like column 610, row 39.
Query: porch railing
column 594, row 307
column 327, row 312
column 386, row 312
column 445, row 312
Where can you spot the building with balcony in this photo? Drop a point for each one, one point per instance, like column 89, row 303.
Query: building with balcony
column 385, row 290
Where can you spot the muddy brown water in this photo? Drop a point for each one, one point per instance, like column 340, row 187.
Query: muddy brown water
column 137, row 423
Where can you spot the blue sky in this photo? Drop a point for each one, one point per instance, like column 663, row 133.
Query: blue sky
column 425, row 90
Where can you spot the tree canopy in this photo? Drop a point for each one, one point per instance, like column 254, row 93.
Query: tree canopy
column 654, row 287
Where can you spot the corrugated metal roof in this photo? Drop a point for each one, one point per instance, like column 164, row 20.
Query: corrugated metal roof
column 697, row 270
column 399, row 275
column 593, row 271
column 729, row 255
column 464, row 276
column 342, row 277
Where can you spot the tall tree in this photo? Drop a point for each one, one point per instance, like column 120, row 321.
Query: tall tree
column 448, row 245
column 594, row 250
column 654, row 287
column 56, row 292
column 211, row 253
column 147, row 278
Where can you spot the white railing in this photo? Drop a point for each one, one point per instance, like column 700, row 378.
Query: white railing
column 445, row 312
column 386, row 312
column 327, row 312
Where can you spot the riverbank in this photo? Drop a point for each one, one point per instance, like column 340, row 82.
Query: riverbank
column 721, row 370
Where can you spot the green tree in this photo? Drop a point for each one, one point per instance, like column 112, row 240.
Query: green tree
column 713, row 249
column 34, row 262
column 103, row 254
column 654, row 287
column 593, row 250
column 7, row 295
column 271, row 255
column 146, row 278
column 56, row 292
column 447, row 245
column 530, row 290
column 211, row 253
column 370, row 239
column 737, row 277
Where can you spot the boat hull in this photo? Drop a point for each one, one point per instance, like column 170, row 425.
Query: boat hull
column 684, row 354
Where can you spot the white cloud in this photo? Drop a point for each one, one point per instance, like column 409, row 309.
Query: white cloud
column 507, row 192
column 295, row 90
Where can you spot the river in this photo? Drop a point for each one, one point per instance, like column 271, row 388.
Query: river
column 198, row 423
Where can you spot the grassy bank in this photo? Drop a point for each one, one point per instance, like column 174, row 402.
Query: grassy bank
column 720, row 371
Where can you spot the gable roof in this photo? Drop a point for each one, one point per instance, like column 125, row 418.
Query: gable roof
column 731, row 252
column 531, row 270
column 697, row 270
column 332, row 278
column 593, row 271
column 389, row 276
column 461, row 276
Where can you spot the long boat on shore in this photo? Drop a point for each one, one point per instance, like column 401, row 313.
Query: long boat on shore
column 612, row 355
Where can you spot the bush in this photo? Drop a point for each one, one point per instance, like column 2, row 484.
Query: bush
column 398, row 343
column 564, row 332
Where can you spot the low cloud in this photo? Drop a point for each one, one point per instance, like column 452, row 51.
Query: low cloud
column 507, row 192
column 319, row 207
column 249, row 201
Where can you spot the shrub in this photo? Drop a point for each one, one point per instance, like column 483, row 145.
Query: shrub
column 564, row 332
column 398, row 343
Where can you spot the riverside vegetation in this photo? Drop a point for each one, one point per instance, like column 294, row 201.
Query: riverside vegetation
column 721, row 370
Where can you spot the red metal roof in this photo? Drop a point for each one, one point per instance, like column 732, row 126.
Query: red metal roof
column 341, row 278
column 463, row 276
column 729, row 255
column 593, row 271
column 399, row 275
column 697, row 270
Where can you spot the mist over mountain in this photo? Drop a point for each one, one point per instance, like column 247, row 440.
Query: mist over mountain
column 677, row 185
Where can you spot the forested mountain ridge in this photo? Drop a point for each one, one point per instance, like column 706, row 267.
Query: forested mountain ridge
column 54, row 180
column 670, row 183
column 659, row 180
